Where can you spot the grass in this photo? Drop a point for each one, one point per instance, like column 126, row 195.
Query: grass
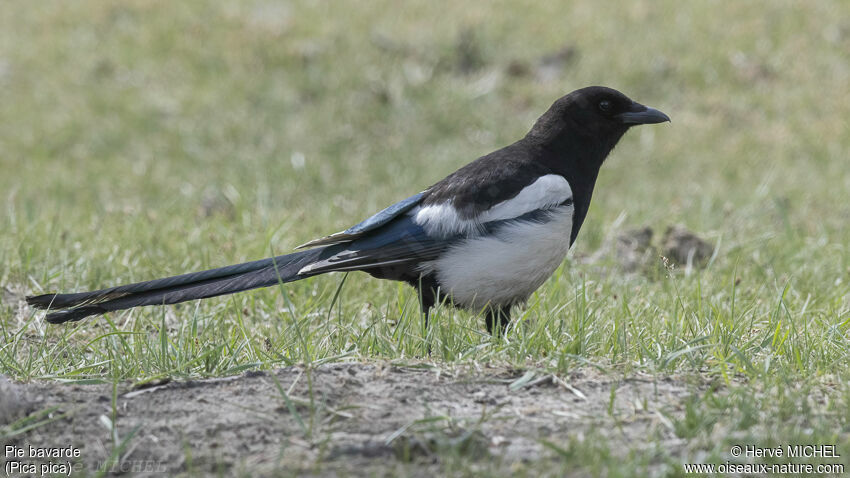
column 144, row 139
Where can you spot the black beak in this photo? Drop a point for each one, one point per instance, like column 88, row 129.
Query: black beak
column 640, row 114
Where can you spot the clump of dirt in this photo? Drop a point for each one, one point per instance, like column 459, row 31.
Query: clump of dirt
column 216, row 202
column 547, row 68
column 469, row 54
column 685, row 248
column 352, row 419
column 635, row 250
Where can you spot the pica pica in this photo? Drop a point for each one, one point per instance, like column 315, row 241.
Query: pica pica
column 483, row 238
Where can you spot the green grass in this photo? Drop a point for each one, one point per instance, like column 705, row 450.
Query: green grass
column 145, row 139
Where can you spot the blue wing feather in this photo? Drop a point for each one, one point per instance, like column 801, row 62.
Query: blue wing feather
column 379, row 219
column 385, row 215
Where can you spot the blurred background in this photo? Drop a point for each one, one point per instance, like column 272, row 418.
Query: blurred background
column 145, row 138
column 140, row 138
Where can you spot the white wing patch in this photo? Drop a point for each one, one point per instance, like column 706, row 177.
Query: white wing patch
column 444, row 220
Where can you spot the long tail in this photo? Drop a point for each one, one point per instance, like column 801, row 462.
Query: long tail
column 171, row 290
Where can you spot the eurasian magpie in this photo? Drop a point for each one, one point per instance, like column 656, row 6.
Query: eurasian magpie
column 484, row 238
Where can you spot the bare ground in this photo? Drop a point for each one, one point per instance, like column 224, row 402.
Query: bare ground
column 364, row 419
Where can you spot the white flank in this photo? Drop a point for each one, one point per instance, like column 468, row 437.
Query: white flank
column 444, row 220
column 505, row 268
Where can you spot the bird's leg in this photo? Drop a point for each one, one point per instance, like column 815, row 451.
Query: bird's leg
column 427, row 299
column 426, row 311
column 497, row 319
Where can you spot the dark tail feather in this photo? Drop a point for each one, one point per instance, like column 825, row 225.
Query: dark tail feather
column 171, row 290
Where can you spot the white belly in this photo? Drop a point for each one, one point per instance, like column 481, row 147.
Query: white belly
column 506, row 268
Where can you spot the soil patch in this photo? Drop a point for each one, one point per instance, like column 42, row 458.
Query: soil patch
column 341, row 419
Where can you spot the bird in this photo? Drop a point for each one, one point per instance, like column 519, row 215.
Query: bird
column 484, row 238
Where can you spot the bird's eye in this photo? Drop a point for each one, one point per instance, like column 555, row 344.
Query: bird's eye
column 605, row 105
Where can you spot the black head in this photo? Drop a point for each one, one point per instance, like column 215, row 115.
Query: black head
column 575, row 136
column 593, row 116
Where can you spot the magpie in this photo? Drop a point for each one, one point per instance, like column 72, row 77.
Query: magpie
column 484, row 238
